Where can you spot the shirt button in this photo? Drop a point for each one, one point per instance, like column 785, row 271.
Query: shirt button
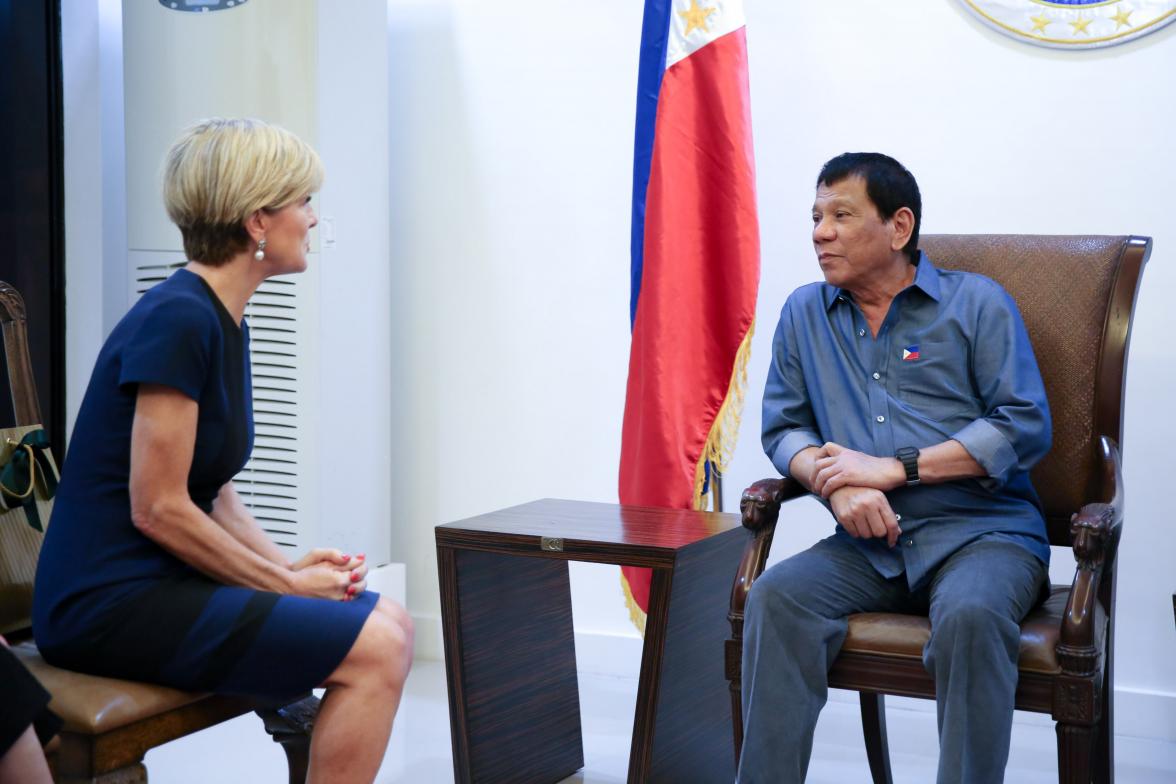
column 881, row 419
column 877, row 376
column 861, row 333
column 909, row 542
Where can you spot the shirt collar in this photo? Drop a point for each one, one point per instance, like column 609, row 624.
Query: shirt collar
column 926, row 279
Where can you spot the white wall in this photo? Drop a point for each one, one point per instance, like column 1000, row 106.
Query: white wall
column 511, row 156
column 95, row 184
column 511, row 159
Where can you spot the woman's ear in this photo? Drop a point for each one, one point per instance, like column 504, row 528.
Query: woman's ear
column 255, row 224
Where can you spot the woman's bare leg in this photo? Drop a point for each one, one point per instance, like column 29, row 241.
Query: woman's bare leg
column 24, row 763
column 355, row 719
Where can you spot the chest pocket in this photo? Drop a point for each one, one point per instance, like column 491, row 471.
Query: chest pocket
column 938, row 384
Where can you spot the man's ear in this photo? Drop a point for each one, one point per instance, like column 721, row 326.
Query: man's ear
column 903, row 222
column 255, row 224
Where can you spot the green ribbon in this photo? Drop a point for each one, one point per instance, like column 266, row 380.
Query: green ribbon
column 18, row 479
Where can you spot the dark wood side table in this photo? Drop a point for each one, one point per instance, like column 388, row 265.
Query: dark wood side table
column 510, row 656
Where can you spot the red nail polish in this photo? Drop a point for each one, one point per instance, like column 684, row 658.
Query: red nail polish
column 355, row 577
column 345, row 557
column 361, row 556
column 350, row 590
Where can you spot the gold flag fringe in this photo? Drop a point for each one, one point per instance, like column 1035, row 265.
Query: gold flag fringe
column 724, row 432
column 636, row 614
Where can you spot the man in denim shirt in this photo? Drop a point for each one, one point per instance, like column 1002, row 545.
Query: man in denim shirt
column 908, row 399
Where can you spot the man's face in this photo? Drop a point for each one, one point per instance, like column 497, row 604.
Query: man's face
column 853, row 243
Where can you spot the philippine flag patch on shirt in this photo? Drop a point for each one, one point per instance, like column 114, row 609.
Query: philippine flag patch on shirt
column 910, row 353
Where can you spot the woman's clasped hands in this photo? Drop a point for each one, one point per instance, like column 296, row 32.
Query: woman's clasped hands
column 326, row 573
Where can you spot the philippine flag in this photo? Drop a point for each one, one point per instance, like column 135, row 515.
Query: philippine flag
column 695, row 259
column 910, row 353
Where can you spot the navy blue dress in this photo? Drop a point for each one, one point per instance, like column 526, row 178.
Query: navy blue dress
column 108, row 600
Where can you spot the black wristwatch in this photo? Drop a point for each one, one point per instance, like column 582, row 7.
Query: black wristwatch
column 909, row 457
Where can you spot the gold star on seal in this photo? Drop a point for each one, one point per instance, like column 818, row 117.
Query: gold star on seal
column 695, row 17
column 1081, row 24
column 1039, row 23
column 1121, row 18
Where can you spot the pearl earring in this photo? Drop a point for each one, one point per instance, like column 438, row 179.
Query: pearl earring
column 260, row 254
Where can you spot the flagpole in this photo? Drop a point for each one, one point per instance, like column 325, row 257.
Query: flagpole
column 717, row 489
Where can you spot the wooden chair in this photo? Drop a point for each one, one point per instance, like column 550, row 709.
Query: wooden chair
column 1076, row 295
column 111, row 724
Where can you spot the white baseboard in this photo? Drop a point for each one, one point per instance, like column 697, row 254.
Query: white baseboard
column 613, row 655
column 429, row 644
column 1145, row 713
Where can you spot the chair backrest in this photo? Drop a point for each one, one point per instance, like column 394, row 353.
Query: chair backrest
column 25, row 406
column 19, row 544
column 1076, row 295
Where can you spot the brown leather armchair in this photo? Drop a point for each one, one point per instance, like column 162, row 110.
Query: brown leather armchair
column 109, row 724
column 1076, row 295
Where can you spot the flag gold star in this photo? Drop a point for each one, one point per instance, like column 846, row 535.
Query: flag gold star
column 695, row 17
column 1039, row 23
column 1080, row 24
column 1121, row 18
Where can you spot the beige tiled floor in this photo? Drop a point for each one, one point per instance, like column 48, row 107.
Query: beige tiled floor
column 419, row 752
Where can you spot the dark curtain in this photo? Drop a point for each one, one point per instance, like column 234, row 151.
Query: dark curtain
column 31, row 213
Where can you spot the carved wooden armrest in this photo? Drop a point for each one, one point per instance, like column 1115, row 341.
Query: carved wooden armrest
column 760, row 504
column 1095, row 531
column 760, row 509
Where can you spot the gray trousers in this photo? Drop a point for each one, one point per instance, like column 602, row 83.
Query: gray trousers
column 795, row 624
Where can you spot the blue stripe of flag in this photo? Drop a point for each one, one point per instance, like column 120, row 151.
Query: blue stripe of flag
column 655, row 36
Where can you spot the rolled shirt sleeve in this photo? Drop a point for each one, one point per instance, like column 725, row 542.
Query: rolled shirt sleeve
column 788, row 422
column 1015, row 431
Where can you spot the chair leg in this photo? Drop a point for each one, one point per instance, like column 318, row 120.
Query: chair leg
column 291, row 726
column 1075, row 752
column 874, row 728
column 734, row 668
column 1104, row 765
column 737, row 719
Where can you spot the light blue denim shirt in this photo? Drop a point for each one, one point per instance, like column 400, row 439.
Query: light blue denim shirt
column 952, row 360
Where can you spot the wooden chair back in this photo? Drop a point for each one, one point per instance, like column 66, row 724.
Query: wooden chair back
column 1076, row 295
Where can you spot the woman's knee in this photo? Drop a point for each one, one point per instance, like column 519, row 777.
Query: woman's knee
column 383, row 651
column 399, row 618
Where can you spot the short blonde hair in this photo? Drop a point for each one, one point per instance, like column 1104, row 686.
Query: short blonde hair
column 219, row 172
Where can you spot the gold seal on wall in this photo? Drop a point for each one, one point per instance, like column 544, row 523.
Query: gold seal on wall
column 1074, row 24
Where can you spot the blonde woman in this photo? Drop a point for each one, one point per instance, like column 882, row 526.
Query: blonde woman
column 152, row 568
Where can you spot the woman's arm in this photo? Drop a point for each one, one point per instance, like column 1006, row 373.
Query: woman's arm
column 163, row 439
column 230, row 513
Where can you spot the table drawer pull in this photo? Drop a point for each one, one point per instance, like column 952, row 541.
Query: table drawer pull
column 551, row 544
